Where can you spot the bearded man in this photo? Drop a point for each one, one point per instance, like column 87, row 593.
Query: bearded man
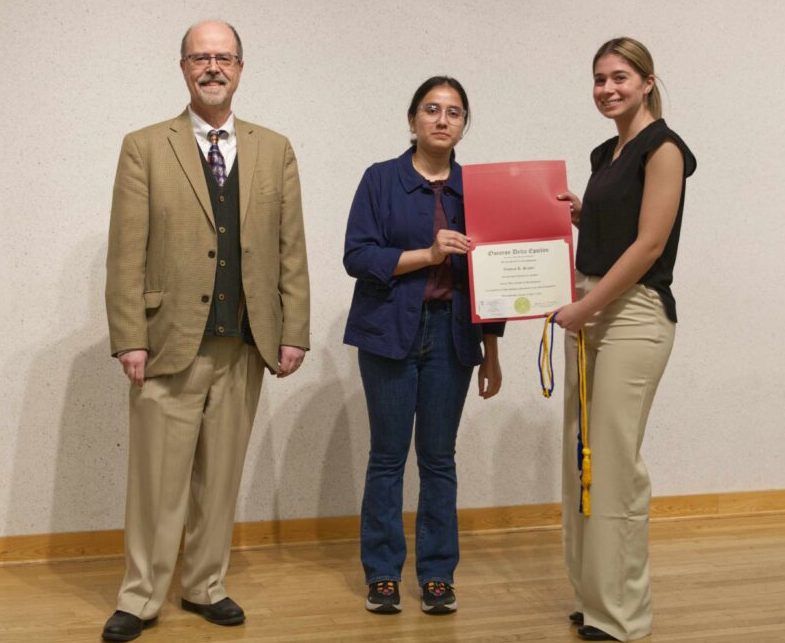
column 207, row 285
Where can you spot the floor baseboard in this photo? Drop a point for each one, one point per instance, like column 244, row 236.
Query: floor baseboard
column 101, row 544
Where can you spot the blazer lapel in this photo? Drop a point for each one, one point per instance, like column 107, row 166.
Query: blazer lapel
column 247, row 151
column 181, row 138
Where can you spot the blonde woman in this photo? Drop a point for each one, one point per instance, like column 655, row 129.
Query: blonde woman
column 629, row 223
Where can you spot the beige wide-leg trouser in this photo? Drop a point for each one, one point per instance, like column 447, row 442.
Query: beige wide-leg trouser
column 188, row 437
column 628, row 345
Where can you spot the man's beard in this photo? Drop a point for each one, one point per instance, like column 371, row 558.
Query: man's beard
column 212, row 94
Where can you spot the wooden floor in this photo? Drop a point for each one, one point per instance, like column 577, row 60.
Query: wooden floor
column 718, row 579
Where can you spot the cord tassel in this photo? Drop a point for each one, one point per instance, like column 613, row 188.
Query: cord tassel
column 586, row 482
column 584, row 459
column 586, row 468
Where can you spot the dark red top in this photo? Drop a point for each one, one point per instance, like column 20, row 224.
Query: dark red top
column 439, row 285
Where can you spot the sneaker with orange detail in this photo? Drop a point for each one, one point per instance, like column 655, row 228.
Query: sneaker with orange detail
column 383, row 597
column 438, row 598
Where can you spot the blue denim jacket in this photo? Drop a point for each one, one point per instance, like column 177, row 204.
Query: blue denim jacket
column 393, row 211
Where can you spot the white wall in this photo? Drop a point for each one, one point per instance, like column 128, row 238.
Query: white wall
column 336, row 77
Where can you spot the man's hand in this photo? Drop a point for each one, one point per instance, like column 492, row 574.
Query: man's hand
column 133, row 365
column 289, row 360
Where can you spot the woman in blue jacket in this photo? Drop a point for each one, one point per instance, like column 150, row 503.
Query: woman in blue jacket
column 410, row 319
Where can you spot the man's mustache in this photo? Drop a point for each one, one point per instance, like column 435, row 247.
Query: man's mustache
column 211, row 78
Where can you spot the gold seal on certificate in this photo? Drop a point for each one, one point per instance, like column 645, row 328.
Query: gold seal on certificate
column 520, row 264
column 521, row 279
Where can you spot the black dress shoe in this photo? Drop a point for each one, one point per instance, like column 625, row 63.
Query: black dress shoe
column 591, row 633
column 224, row 612
column 576, row 618
column 123, row 626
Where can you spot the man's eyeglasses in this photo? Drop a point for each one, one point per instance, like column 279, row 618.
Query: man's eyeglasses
column 203, row 60
column 432, row 112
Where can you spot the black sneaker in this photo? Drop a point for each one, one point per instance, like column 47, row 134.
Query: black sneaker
column 438, row 598
column 383, row 597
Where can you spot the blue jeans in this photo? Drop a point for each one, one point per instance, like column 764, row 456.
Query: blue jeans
column 426, row 389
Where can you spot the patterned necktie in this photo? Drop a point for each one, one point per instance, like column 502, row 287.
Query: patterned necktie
column 215, row 158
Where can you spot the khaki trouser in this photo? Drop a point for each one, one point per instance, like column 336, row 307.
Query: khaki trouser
column 628, row 345
column 188, row 437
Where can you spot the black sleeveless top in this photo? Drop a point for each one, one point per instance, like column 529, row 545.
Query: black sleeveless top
column 612, row 205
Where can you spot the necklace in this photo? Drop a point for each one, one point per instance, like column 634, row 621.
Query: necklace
column 438, row 176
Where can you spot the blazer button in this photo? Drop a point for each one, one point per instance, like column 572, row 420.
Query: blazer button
column 205, row 298
column 211, row 254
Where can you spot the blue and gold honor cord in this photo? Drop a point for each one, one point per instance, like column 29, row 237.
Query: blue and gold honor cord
column 545, row 365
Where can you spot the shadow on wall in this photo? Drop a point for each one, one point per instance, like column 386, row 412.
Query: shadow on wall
column 69, row 466
column 520, row 480
column 316, row 469
column 524, row 465
column 85, row 445
column 310, row 460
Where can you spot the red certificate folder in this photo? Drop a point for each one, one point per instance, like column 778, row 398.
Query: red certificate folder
column 515, row 202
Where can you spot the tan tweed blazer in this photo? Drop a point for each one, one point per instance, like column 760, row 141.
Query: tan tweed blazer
column 162, row 233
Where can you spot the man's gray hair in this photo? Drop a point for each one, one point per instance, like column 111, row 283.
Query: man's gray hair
column 234, row 31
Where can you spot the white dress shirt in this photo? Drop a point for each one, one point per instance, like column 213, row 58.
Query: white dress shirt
column 227, row 143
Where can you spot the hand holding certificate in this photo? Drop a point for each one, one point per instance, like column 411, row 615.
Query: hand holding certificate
column 521, row 263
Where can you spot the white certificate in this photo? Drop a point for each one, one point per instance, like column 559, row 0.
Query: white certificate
column 521, row 278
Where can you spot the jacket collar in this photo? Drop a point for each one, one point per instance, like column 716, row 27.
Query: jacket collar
column 184, row 144
column 247, row 152
column 412, row 179
column 181, row 138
